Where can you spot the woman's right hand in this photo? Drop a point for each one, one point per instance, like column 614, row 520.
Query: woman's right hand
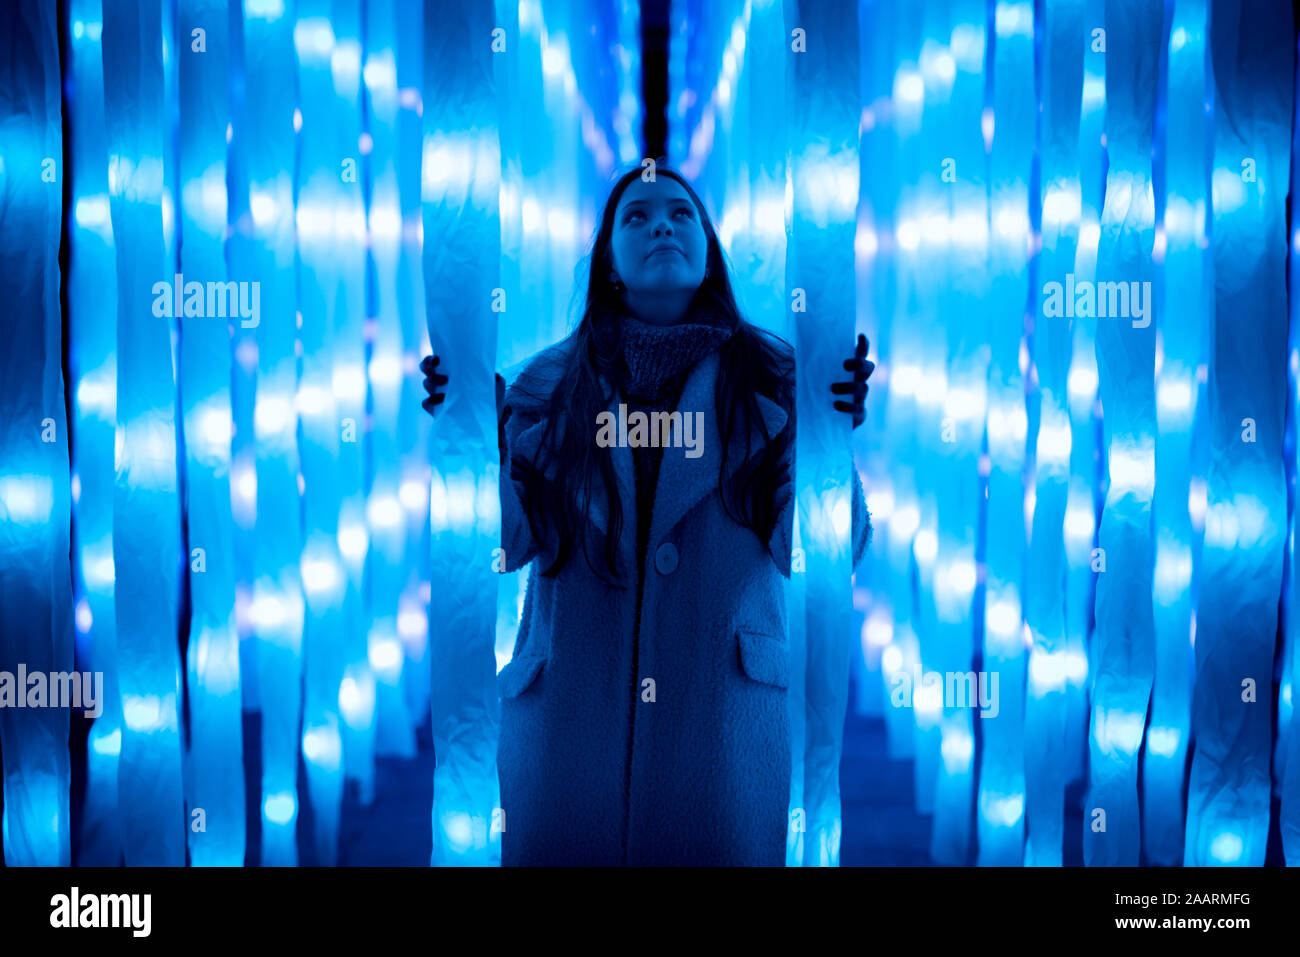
column 432, row 380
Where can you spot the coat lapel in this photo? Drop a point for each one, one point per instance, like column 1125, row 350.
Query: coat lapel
column 684, row 481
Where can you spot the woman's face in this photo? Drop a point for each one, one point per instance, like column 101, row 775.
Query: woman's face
column 658, row 244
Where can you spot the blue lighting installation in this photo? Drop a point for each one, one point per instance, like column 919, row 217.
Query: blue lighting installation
column 1085, row 506
column 889, row 117
column 264, row 253
column 215, row 779
column 956, row 179
column 385, row 516
column 247, row 121
column 1253, row 57
column 1011, row 776
column 822, row 113
column 876, row 622
column 406, row 295
column 920, row 227
column 371, row 656
column 1086, row 459
column 330, row 432
column 147, row 552
column 92, row 363
column 1063, row 512
column 1185, row 287
column 35, row 487
column 1287, row 753
column 1125, row 641
column 461, row 187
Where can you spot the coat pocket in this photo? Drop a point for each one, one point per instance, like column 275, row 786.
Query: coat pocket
column 518, row 674
column 764, row 657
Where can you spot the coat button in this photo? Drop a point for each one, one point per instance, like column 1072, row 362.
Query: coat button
column 666, row 558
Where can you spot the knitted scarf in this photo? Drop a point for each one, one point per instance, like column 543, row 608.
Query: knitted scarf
column 656, row 359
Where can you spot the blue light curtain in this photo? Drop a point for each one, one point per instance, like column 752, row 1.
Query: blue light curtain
column 1253, row 57
column 1186, row 295
column 35, row 578
column 1019, row 739
column 461, row 183
column 1087, row 507
column 1125, row 642
column 263, row 251
column 1287, row 753
column 215, row 772
column 407, row 295
column 957, row 180
column 330, row 431
column 1086, row 459
column 385, row 518
column 147, row 553
column 92, row 363
column 821, row 97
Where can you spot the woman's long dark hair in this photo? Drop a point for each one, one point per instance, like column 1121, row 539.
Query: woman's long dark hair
column 750, row 363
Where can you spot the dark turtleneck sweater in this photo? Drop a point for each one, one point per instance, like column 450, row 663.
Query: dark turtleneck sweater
column 656, row 363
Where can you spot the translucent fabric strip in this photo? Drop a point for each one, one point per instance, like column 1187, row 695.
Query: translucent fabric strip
column 1229, row 787
column 461, row 184
column 1125, row 349
column 35, row 578
column 92, row 362
column 822, row 93
column 146, row 505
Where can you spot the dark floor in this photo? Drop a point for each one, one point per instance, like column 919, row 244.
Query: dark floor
column 879, row 822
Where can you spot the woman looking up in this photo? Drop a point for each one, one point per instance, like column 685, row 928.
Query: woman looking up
column 643, row 714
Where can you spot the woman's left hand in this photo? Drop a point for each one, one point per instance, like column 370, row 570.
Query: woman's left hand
column 861, row 367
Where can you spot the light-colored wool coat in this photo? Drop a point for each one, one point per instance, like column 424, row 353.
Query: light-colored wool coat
column 671, row 747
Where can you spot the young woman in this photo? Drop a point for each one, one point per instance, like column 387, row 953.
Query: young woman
column 643, row 715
